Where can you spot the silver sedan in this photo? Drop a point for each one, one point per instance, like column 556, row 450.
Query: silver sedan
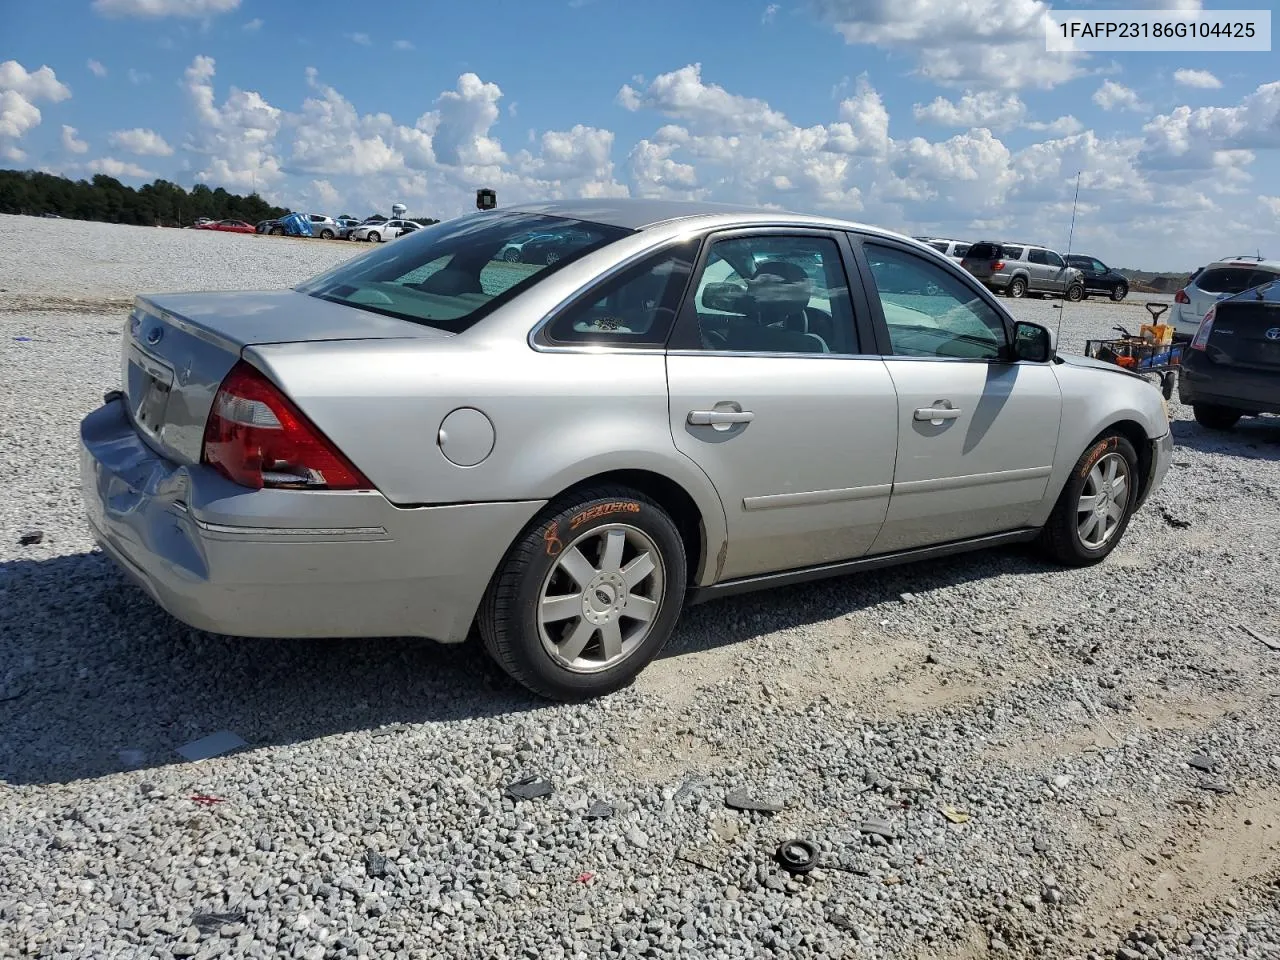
column 689, row 401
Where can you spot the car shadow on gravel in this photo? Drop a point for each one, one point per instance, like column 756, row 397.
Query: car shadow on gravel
column 724, row 622
column 96, row 679
column 1254, row 438
column 90, row 667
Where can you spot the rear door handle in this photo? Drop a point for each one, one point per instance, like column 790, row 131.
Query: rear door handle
column 710, row 418
column 938, row 413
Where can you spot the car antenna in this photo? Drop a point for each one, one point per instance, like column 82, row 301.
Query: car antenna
column 1070, row 236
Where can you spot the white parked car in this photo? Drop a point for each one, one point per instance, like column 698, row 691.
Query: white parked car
column 952, row 249
column 387, row 230
column 1219, row 280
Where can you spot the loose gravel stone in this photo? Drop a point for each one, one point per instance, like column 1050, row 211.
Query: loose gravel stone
column 366, row 817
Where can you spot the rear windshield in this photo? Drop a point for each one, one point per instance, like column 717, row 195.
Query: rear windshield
column 1232, row 279
column 451, row 274
column 985, row 251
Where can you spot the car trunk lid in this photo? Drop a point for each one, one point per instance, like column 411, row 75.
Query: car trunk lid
column 1246, row 330
column 177, row 348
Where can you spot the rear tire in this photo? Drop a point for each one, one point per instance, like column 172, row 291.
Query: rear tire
column 587, row 596
column 1017, row 288
column 1215, row 417
column 1093, row 510
column 1075, row 293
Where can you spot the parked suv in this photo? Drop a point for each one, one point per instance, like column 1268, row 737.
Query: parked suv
column 1017, row 269
column 1232, row 368
column 1099, row 278
column 1214, row 282
column 955, row 249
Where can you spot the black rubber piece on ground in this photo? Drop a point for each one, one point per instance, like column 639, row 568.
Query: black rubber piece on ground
column 796, row 856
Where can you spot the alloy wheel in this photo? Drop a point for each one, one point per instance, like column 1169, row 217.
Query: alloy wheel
column 601, row 598
column 1103, row 501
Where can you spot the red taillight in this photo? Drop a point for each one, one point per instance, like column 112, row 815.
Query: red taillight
column 1181, row 297
column 1201, row 340
column 998, row 265
column 256, row 437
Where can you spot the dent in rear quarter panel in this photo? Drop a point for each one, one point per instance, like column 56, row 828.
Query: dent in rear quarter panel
column 1092, row 401
column 559, row 418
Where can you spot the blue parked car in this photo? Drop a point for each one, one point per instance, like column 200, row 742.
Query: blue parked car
column 290, row 225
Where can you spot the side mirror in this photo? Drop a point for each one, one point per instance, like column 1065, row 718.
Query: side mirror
column 1032, row 342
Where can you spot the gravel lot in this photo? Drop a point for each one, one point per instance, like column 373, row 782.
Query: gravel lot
column 1054, row 712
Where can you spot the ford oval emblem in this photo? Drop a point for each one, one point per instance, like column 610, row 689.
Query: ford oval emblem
column 155, row 334
column 1273, row 333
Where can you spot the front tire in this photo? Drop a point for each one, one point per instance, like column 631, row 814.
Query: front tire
column 1075, row 293
column 326, row 234
column 1119, row 293
column 1215, row 417
column 374, row 238
column 1017, row 288
column 587, row 596
column 277, row 231
column 1093, row 510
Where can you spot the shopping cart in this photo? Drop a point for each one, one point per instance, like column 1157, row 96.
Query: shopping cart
column 1152, row 353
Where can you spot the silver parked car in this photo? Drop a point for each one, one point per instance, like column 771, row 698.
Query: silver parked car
column 691, row 401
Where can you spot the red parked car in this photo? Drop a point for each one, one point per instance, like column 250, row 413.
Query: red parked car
column 227, row 226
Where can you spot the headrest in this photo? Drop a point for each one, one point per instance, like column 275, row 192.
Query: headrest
column 780, row 286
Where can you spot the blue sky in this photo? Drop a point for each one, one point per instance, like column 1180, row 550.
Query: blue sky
column 940, row 116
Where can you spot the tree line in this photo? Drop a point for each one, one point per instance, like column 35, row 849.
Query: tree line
column 106, row 198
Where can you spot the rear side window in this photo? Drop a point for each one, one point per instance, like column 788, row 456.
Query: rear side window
column 450, row 275
column 634, row 309
column 1014, row 253
column 985, row 251
column 1229, row 279
column 938, row 245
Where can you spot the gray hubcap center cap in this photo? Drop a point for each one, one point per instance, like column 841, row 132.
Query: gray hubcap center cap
column 604, row 597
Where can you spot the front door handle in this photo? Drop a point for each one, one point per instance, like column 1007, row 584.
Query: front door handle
column 711, row 418
column 938, row 413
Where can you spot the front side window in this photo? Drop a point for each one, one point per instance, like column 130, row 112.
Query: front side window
column 961, row 249
column 930, row 312
column 634, row 309
column 1052, row 259
column 449, row 275
column 774, row 294
column 1100, row 267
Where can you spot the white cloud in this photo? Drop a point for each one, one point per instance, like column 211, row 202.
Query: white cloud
column 96, row 68
column 146, row 143
column 1272, row 204
column 1188, row 139
column 1116, row 96
column 117, row 168
column 461, row 122
column 40, row 84
column 1062, row 127
column 1200, row 79
column 326, row 194
column 993, row 109
column 363, row 39
column 705, row 108
column 71, row 143
column 978, row 44
column 770, row 13
column 864, row 126
column 164, row 8
column 17, row 115
column 330, row 137
column 402, row 45
column 138, row 77
column 19, row 88
column 236, row 139
column 252, row 26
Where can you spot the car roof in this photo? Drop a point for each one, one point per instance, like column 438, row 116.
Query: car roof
column 1244, row 262
column 638, row 213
